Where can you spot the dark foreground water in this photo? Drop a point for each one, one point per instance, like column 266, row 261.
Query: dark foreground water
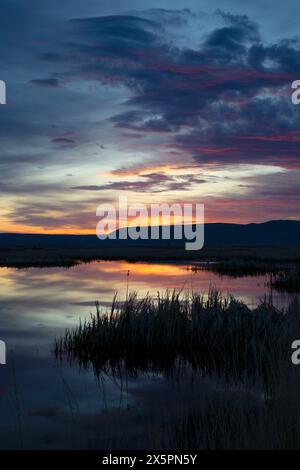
column 48, row 405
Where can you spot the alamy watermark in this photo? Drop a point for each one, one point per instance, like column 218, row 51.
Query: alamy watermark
column 2, row 92
column 153, row 222
column 295, row 358
column 2, row 353
column 296, row 94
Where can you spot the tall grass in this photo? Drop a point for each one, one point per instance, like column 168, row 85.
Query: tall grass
column 245, row 352
column 287, row 280
column 236, row 267
column 214, row 335
column 234, row 422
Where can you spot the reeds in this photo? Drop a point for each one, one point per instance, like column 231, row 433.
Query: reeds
column 238, row 267
column 214, row 335
column 227, row 422
column 287, row 281
column 246, row 351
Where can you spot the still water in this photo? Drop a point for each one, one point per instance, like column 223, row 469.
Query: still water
column 48, row 405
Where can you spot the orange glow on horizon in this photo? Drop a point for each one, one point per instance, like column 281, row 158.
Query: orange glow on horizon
column 25, row 229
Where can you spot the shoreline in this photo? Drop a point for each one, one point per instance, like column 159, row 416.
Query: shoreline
column 30, row 257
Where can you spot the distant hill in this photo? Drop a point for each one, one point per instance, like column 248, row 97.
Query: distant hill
column 277, row 232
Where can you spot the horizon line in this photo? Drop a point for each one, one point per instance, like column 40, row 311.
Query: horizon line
column 171, row 225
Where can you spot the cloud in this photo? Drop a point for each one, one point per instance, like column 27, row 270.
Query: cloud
column 205, row 90
column 150, row 182
column 46, row 82
column 63, row 141
column 207, row 99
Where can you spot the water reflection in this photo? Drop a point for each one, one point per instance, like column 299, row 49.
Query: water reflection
column 43, row 404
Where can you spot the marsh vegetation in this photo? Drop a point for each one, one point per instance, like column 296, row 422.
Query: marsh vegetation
column 215, row 337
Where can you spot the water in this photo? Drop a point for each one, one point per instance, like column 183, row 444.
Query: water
column 48, row 405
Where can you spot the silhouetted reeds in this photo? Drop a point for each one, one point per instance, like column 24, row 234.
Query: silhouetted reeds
column 284, row 277
column 216, row 334
column 231, row 422
column 238, row 267
column 287, row 281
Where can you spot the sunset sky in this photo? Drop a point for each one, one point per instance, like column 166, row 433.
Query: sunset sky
column 189, row 104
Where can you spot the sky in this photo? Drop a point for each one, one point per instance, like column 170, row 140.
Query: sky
column 169, row 105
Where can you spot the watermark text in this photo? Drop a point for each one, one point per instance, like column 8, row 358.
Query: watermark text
column 2, row 92
column 296, row 93
column 2, row 353
column 153, row 222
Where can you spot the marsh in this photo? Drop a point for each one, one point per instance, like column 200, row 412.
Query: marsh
column 45, row 403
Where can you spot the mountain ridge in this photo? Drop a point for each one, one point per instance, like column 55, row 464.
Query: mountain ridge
column 273, row 232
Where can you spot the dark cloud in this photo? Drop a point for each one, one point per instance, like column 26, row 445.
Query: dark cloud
column 154, row 182
column 63, row 141
column 47, row 82
column 229, row 43
column 222, row 94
